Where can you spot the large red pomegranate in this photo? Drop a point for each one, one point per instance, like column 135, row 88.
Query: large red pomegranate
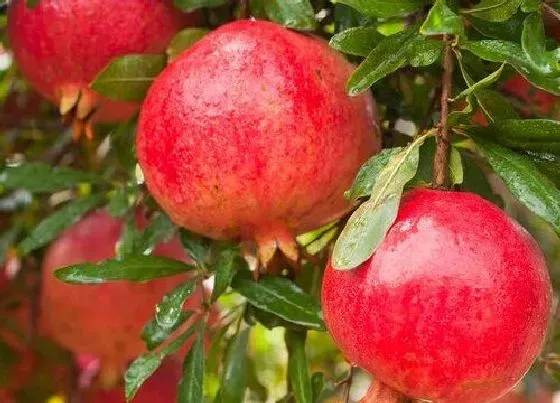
column 539, row 102
column 453, row 305
column 250, row 133
column 61, row 45
column 102, row 320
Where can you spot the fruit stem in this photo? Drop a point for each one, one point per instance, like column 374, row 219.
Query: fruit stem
column 348, row 384
column 441, row 159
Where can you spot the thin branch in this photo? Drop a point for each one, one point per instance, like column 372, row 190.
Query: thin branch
column 552, row 11
column 348, row 385
column 441, row 159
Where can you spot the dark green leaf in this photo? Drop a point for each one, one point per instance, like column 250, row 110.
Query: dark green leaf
column 7, row 239
column 124, row 145
column 234, row 374
column 281, row 297
column 475, row 180
column 548, row 164
column 485, row 82
column 131, row 268
column 184, row 40
column 191, row 387
column 533, row 43
column 253, row 382
column 509, row 30
column 524, row 180
column 494, row 10
column 52, row 226
column 390, row 54
column 229, row 262
column 504, row 51
column 129, row 77
column 158, row 230
column 368, row 225
column 168, row 311
column 196, row 246
column 385, row 8
column 153, row 334
column 317, row 383
column 298, row 371
column 530, row 6
column 43, row 178
column 296, row 14
column 442, row 20
column 269, row 320
column 125, row 245
column 358, row 41
column 423, row 52
column 120, row 202
column 495, row 106
column 190, row 5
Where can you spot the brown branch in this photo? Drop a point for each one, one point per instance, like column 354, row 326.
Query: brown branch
column 552, row 11
column 441, row 159
column 348, row 384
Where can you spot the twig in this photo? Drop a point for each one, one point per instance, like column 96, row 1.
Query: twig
column 552, row 11
column 441, row 159
column 348, row 384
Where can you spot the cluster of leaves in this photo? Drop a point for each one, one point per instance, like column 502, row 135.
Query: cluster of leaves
column 511, row 160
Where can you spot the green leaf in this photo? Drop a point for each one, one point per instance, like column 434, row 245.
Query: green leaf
column 503, row 51
column 7, row 239
column 153, row 334
column 369, row 224
column 123, row 144
column 129, row 77
column 530, row 6
column 485, row 82
column 298, row 371
column 32, row 3
column 494, row 10
column 369, row 172
column 184, row 40
column 317, row 383
column 168, row 311
column 524, row 180
column 234, row 373
column 190, row 5
column 131, row 268
column 269, row 320
column 495, row 105
column 540, row 135
column 146, row 364
column 549, row 164
column 125, row 245
column 390, row 54
column 253, row 382
column 423, row 52
column 159, row 229
column 456, row 167
column 509, row 30
column 385, row 8
column 191, row 387
column 442, row 20
column 358, row 41
column 229, row 262
column 533, row 43
column 281, row 297
column 196, row 246
column 43, row 178
column 296, row 14
column 52, row 226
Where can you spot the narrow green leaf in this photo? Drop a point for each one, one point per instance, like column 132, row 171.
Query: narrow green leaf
column 196, row 246
column 52, row 226
column 423, row 51
column 509, row 30
column 184, row 40
column 131, row 268
column 298, row 371
column 296, row 14
column 191, row 387
column 129, row 77
column 125, row 245
column 253, row 382
column 43, row 178
column 358, row 41
column 494, row 10
column 485, row 82
column 369, row 224
column 442, row 20
column 229, row 262
column 158, row 230
column 389, row 55
column 533, row 43
column 281, row 297
column 153, row 334
column 524, row 180
column 317, row 383
column 495, row 105
column 549, row 164
column 120, row 202
column 385, row 8
column 234, row 374
column 168, row 311
column 190, row 5
column 456, row 167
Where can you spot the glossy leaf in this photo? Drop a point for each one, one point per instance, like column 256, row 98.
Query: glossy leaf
column 442, row 20
column 196, row 246
column 296, row 14
column 234, row 373
column 281, row 297
column 524, row 180
column 423, row 51
column 298, row 371
column 129, row 77
column 191, row 387
column 494, row 10
column 533, row 43
column 153, row 334
column 368, row 225
column 509, row 30
column 358, row 41
column 184, row 40
column 52, row 226
column 131, row 268
column 385, row 8
column 43, row 178
column 229, row 262
column 169, row 310
column 157, row 231
column 485, row 82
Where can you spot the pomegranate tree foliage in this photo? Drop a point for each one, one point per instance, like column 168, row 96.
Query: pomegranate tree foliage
column 504, row 147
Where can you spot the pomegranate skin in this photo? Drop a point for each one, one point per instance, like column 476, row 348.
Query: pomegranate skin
column 250, row 133
column 544, row 103
column 102, row 320
column 61, row 45
column 452, row 307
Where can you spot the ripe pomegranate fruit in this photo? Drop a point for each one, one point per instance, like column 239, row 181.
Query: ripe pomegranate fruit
column 61, row 45
column 539, row 102
column 453, row 305
column 249, row 133
column 102, row 320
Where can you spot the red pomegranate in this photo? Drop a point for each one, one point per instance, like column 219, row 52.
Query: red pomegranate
column 61, row 45
column 250, row 134
column 453, row 305
column 102, row 320
column 539, row 102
